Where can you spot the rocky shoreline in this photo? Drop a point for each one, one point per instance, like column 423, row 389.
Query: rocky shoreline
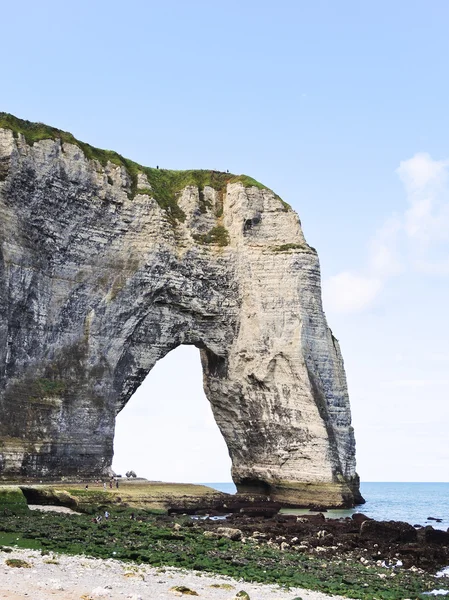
column 356, row 556
column 389, row 544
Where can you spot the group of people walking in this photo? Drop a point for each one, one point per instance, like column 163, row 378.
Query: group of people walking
column 100, row 518
column 111, row 483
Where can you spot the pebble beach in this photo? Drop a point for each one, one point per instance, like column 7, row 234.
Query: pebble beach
column 62, row 577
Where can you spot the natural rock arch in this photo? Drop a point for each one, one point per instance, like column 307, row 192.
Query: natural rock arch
column 167, row 431
column 106, row 266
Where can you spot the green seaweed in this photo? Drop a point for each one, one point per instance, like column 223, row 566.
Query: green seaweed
column 153, row 540
column 17, row 563
column 12, row 501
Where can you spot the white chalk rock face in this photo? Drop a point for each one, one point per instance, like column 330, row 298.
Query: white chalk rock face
column 106, row 266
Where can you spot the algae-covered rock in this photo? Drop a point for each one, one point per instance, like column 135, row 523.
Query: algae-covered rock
column 230, row 532
column 66, row 499
column 49, row 496
column 211, row 535
column 222, row 586
column 18, row 563
column 12, row 501
column 392, row 531
column 182, row 590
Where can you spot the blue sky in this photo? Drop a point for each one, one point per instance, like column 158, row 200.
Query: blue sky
column 342, row 109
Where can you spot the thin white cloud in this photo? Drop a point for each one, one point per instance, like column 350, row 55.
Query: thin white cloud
column 349, row 292
column 421, row 172
column 432, row 267
column 384, row 259
column 417, row 239
column 414, row 382
column 426, row 184
column 439, row 356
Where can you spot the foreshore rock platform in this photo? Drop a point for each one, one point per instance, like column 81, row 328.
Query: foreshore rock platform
column 359, row 554
column 159, row 496
column 258, row 521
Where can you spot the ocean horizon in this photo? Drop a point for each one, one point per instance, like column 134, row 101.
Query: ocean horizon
column 412, row 502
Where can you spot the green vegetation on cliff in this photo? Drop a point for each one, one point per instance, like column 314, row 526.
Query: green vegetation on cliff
column 165, row 184
column 47, row 387
column 287, row 247
column 217, row 235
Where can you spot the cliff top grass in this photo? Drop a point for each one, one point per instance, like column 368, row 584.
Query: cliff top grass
column 165, row 183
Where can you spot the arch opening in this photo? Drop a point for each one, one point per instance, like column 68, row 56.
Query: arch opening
column 167, row 431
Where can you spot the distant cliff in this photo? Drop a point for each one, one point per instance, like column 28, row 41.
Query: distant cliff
column 106, row 266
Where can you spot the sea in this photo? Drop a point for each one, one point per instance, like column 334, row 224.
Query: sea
column 413, row 502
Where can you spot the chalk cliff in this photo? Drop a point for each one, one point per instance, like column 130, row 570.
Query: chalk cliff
column 106, row 266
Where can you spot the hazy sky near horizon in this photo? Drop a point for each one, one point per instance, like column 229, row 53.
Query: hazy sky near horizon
column 342, row 109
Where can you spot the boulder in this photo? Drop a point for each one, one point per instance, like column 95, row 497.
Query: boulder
column 436, row 536
column 388, row 531
column 230, row 532
column 360, row 518
column 267, row 511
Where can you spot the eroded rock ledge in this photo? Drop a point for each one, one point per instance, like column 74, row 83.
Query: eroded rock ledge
column 106, row 266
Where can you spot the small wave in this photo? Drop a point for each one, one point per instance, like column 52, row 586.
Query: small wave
column 214, row 518
column 443, row 573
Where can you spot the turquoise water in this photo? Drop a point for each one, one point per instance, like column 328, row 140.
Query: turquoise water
column 410, row 502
